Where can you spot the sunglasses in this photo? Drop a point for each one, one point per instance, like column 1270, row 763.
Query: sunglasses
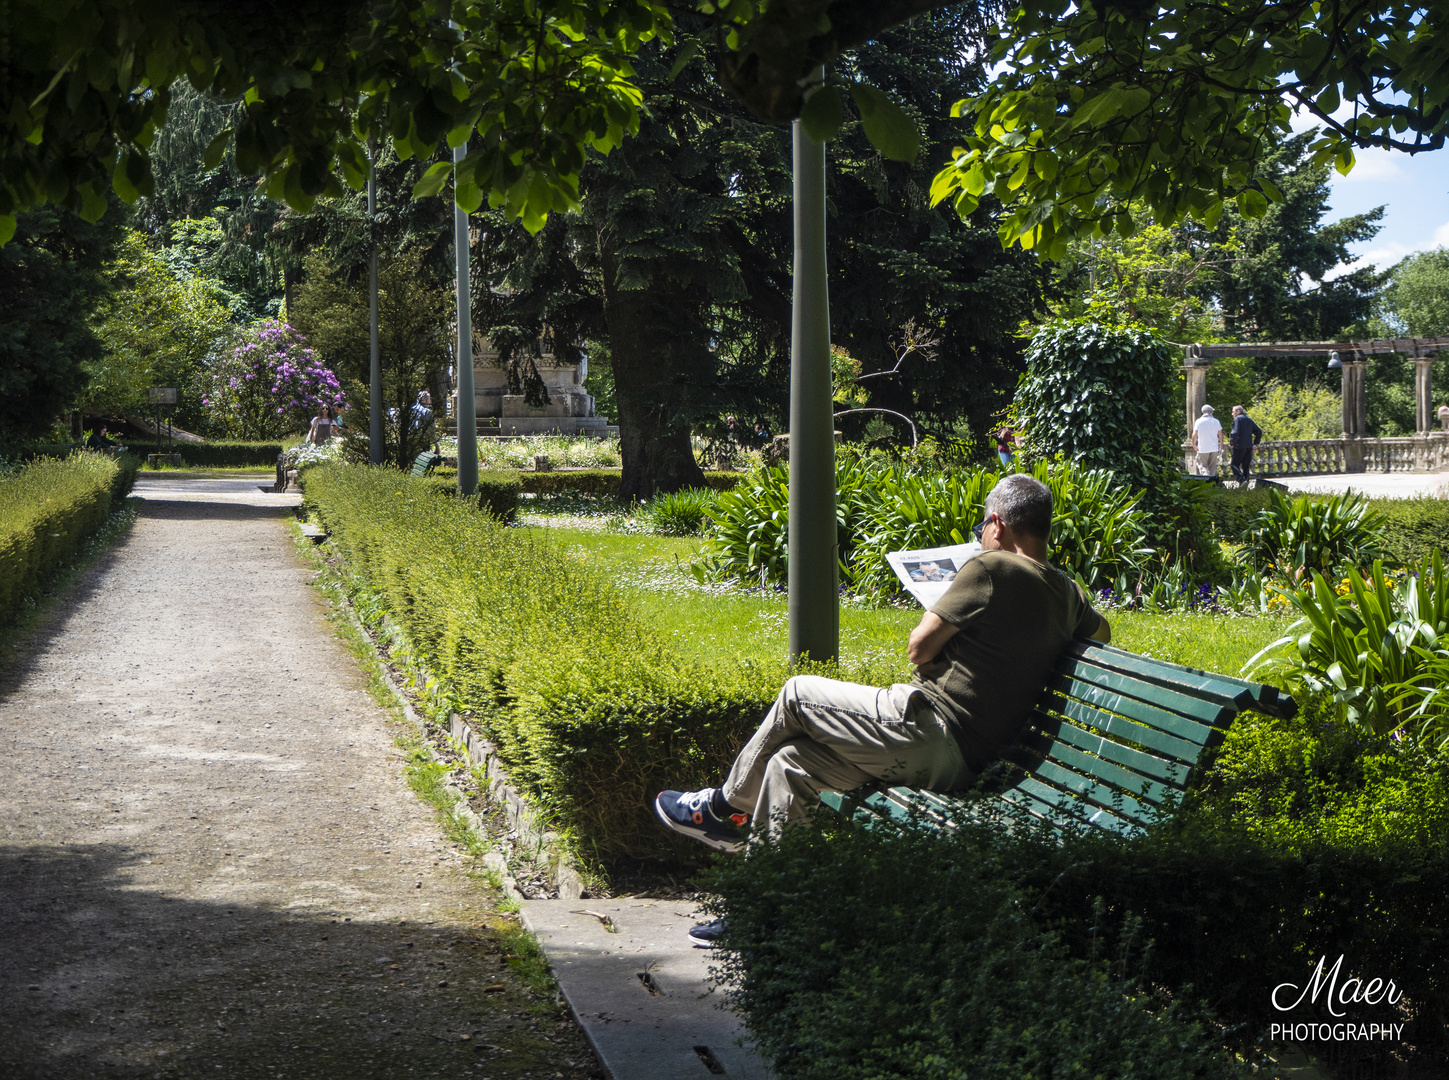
column 982, row 527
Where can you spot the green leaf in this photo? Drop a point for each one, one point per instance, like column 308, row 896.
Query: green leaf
column 822, row 114
column 216, row 149
column 122, row 182
column 887, row 126
column 7, row 228
column 686, row 54
column 433, row 180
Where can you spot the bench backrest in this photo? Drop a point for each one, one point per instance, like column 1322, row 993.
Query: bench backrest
column 425, row 463
column 1114, row 736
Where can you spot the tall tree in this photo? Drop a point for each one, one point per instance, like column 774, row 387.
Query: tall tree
column 52, row 276
column 680, row 260
column 1280, row 290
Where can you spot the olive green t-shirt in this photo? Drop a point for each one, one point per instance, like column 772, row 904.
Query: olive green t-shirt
column 1015, row 616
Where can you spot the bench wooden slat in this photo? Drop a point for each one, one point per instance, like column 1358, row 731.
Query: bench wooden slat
column 1143, row 788
column 1159, row 741
column 1087, row 787
column 1174, row 711
column 1242, row 693
column 1169, row 772
column 1061, row 808
column 1189, row 732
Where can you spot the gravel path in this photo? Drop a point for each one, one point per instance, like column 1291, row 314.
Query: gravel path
column 211, row 864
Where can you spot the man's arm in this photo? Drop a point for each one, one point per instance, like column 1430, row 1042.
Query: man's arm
column 929, row 638
column 1103, row 633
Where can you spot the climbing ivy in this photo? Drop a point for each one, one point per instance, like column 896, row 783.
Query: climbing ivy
column 1102, row 396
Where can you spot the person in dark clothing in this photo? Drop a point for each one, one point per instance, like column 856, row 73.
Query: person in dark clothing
column 1242, row 438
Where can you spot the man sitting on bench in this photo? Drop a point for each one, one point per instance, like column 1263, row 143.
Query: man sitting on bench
column 982, row 654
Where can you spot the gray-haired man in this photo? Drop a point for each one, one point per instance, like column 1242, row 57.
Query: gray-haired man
column 981, row 654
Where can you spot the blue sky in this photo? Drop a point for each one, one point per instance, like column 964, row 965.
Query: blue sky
column 1415, row 191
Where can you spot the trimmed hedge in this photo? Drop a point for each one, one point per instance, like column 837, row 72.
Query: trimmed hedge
column 497, row 493
column 858, row 953
column 591, row 708
column 602, row 483
column 48, row 508
column 225, row 455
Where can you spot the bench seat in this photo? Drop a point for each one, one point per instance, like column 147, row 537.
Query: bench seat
column 1114, row 737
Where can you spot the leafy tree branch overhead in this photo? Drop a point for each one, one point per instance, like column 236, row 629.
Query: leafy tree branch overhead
column 1094, row 105
column 1098, row 104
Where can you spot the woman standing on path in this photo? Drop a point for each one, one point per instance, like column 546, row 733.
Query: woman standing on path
column 324, row 425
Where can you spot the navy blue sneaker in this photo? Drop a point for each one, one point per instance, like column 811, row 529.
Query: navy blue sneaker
column 707, row 935
column 693, row 813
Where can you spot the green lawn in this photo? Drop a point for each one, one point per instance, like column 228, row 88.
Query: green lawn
column 710, row 622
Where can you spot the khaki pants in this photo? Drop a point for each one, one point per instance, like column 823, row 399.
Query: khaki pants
column 1208, row 462
column 826, row 735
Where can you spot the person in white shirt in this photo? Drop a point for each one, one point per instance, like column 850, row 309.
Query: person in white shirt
column 1207, row 440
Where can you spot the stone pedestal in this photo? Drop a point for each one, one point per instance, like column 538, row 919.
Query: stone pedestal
column 570, row 410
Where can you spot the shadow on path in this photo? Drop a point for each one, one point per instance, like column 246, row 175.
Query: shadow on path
column 106, row 979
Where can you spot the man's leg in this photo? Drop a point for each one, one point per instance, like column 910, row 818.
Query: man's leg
column 827, row 735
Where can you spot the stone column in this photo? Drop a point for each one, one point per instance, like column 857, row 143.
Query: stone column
column 1354, row 415
column 1423, row 398
column 1196, row 372
column 1354, row 406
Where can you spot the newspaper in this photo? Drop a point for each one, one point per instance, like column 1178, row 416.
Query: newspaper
column 928, row 572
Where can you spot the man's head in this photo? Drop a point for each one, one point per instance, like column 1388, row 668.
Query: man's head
column 1024, row 504
column 1207, row 410
column 1237, row 410
column 424, row 398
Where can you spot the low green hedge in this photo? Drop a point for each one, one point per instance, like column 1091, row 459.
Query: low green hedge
column 497, row 493
column 602, row 483
column 48, row 508
column 224, row 455
column 859, row 953
column 590, row 707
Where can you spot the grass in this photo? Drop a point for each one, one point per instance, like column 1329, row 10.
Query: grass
column 712, row 621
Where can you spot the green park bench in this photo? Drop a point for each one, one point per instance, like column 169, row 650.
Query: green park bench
column 1114, row 737
column 425, row 463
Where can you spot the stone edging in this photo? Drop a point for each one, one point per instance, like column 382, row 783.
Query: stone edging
column 522, row 818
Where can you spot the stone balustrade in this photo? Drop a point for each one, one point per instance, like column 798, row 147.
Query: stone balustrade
column 1296, row 458
column 1308, row 457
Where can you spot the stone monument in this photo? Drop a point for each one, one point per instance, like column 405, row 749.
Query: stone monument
column 570, row 410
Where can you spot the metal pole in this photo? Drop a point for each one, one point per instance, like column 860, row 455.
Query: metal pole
column 374, row 403
column 814, row 601
column 467, row 407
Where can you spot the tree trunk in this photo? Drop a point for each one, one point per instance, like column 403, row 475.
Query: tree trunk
column 663, row 370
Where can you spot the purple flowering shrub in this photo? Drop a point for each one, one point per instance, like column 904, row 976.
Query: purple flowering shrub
column 270, row 385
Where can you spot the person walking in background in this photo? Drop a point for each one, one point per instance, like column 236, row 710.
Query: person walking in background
column 1207, row 440
column 1243, row 436
column 421, row 413
column 1006, row 446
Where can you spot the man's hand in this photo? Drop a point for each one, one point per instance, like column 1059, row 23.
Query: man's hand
column 928, row 638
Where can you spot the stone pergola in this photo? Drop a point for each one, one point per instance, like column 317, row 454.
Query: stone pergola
column 1354, row 357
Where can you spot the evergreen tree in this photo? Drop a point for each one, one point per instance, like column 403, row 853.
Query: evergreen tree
column 1264, row 298
column 52, row 276
column 680, row 261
